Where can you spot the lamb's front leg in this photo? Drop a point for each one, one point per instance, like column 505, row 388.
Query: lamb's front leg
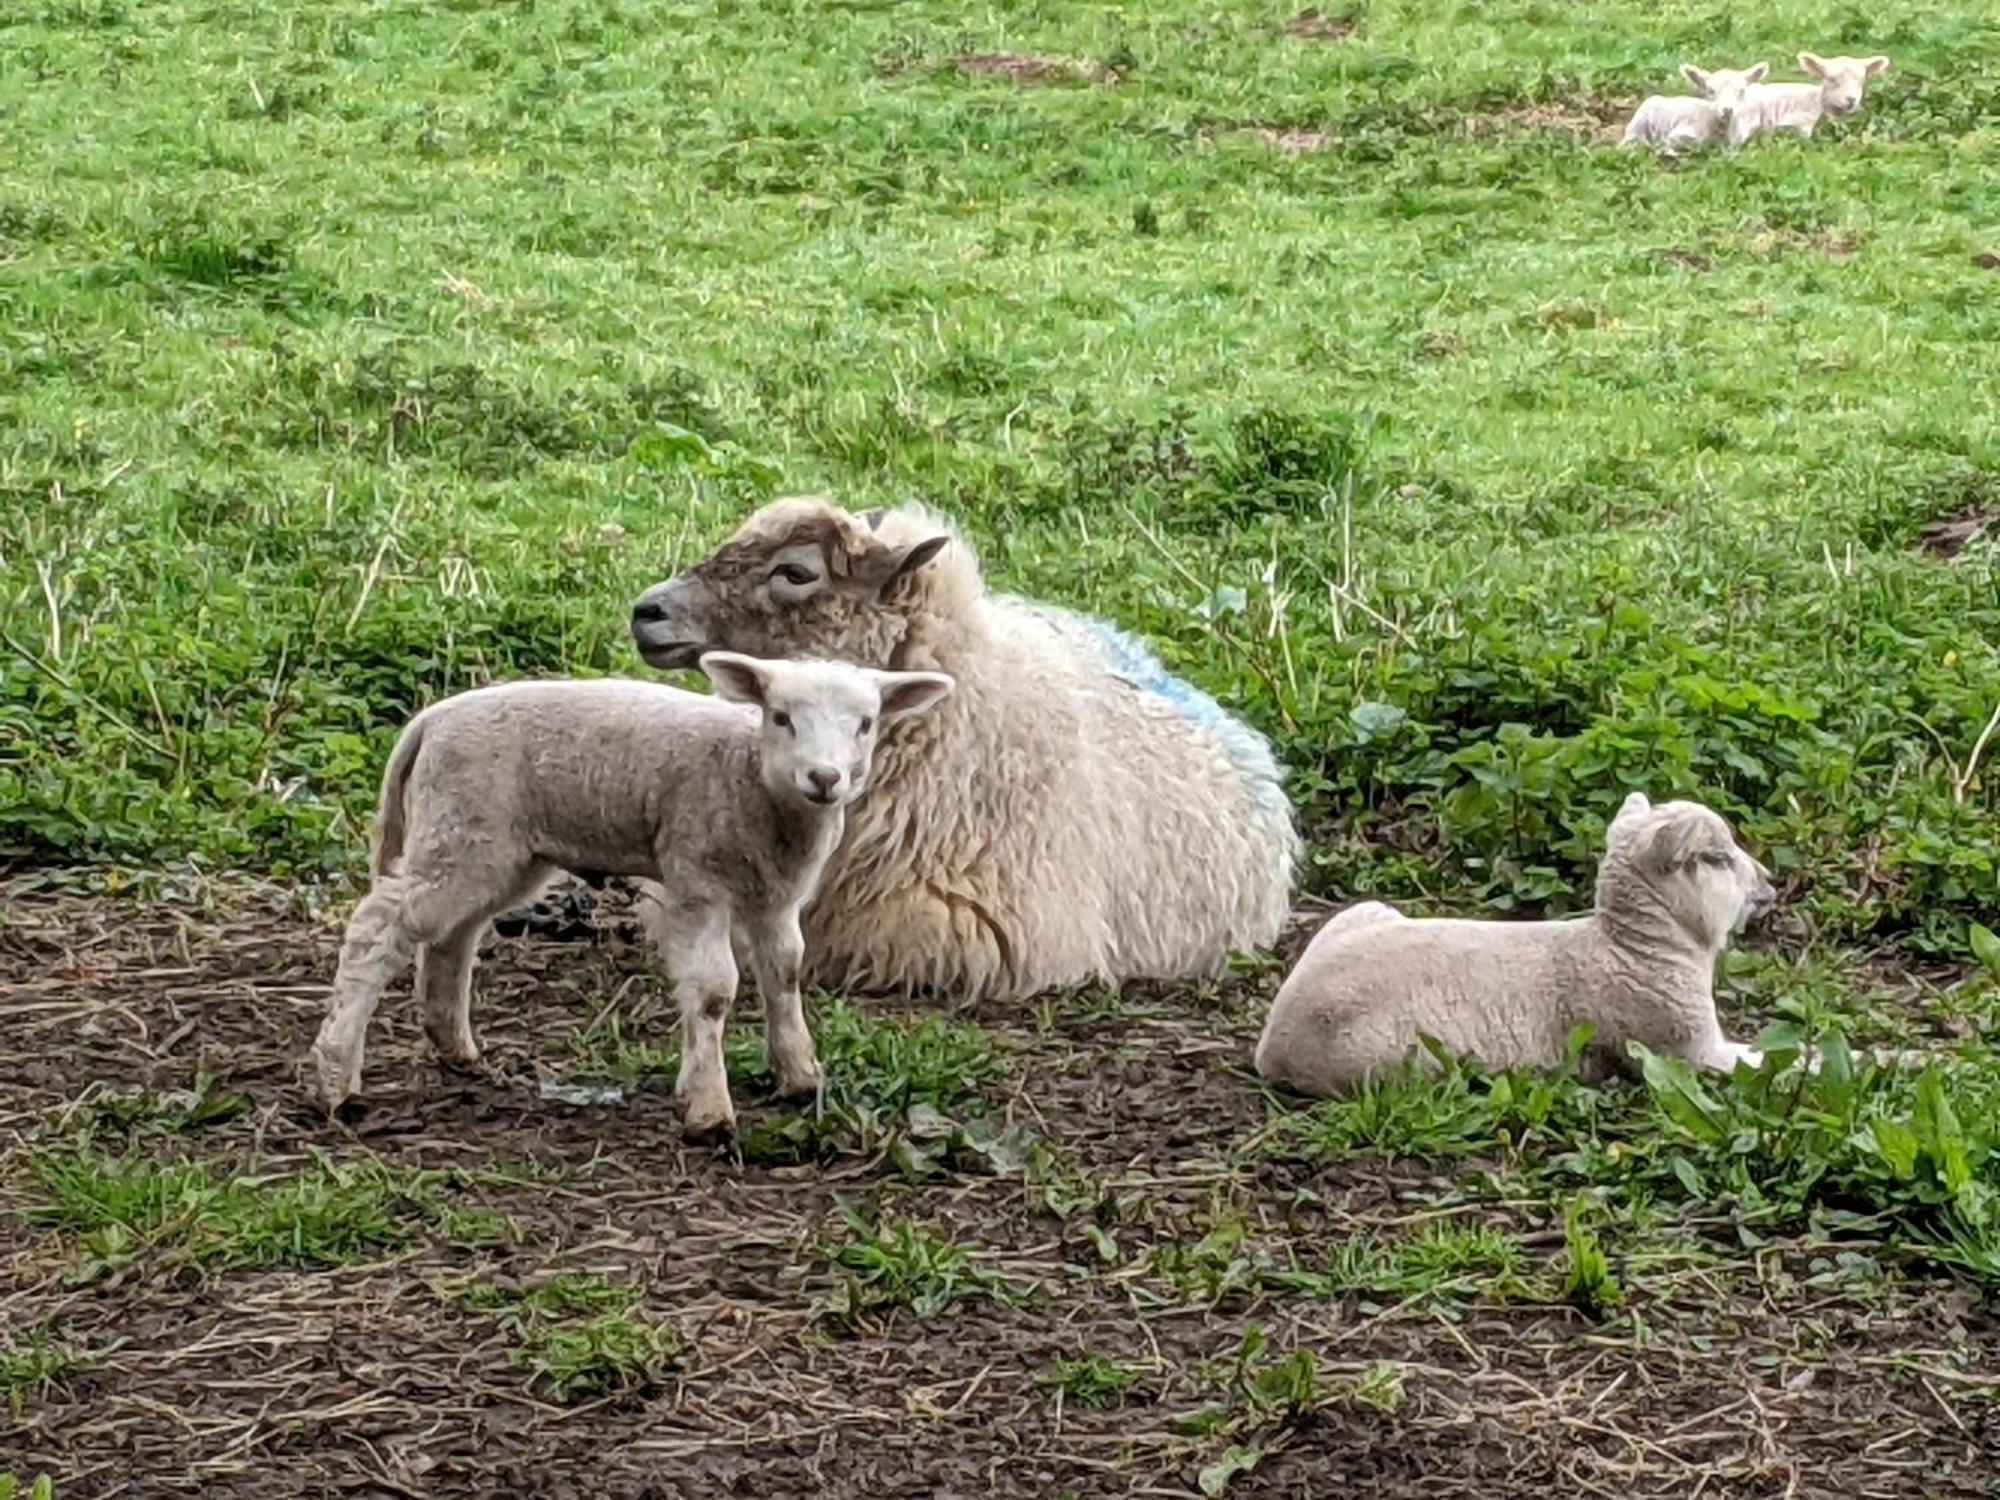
column 777, row 952
column 694, row 941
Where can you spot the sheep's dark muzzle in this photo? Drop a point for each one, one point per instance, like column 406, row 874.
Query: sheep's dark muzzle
column 666, row 629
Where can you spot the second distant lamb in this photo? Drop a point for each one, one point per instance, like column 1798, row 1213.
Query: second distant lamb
column 1676, row 122
column 1671, row 891
column 732, row 807
column 1799, row 106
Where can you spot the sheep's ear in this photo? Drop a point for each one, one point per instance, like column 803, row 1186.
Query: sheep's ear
column 1871, row 66
column 907, row 693
column 1637, row 805
column 1813, row 63
column 874, row 519
column 1758, row 73
column 740, row 679
column 1695, row 76
column 911, row 559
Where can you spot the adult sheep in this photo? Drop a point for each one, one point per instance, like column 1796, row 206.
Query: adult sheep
column 1072, row 812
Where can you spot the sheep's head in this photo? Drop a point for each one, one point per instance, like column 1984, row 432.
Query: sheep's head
column 801, row 577
column 1724, row 87
column 1683, row 858
column 821, row 720
column 1841, row 79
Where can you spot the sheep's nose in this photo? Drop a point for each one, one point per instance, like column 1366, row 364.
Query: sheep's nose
column 646, row 611
column 824, row 781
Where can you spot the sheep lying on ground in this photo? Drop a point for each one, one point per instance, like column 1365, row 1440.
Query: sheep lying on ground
column 1671, row 891
column 1675, row 123
column 1074, row 812
column 731, row 810
column 1798, row 106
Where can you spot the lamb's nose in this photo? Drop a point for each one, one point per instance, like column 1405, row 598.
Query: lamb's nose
column 646, row 611
column 825, row 781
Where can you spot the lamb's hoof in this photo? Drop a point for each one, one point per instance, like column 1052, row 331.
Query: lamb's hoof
column 455, row 1051
column 339, row 1080
column 801, row 1085
column 709, row 1128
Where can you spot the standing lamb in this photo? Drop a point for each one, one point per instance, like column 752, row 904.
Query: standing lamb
column 1675, row 122
column 1074, row 812
column 1672, row 890
column 1798, row 106
column 732, row 807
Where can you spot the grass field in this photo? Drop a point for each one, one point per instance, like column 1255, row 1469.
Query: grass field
column 352, row 353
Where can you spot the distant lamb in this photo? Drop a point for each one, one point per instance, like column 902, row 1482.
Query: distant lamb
column 1672, row 890
column 1073, row 812
column 1798, row 106
column 731, row 808
column 1676, row 122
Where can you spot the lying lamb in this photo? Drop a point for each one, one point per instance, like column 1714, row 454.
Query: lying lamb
column 1074, row 812
column 1675, row 122
column 1798, row 106
column 732, row 810
column 1671, row 891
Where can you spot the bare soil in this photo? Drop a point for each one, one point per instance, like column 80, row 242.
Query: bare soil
column 1311, row 25
column 1029, row 68
column 375, row 1379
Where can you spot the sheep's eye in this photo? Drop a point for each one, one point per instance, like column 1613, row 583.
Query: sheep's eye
column 782, row 720
column 1717, row 857
column 866, row 725
column 794, row 574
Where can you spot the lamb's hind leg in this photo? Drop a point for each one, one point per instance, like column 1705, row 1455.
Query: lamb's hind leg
column 444, row 972
column 377, row 947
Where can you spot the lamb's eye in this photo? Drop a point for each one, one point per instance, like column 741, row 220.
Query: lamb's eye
column 793, row 574
column 866, row 725
column 1717, row 857
column 782, row 720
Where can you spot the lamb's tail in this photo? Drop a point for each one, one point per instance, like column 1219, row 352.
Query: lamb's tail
column 390, row 820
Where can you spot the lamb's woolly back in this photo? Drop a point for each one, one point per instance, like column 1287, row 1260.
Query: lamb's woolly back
column 1073, row 812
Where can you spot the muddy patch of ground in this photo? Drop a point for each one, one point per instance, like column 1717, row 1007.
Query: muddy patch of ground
column 1312, row 25
column 1948, row 537
column 1106, row 1320
column 1599, row 120
column 1031, row 68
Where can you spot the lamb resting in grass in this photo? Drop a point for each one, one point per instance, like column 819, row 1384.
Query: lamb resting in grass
column 1798, row 106
column 1671, row 891
column 730, row 805
column 1674, row 123
column 1073, row 812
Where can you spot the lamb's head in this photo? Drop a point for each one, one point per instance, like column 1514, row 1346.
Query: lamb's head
column 1724, row 87
column 1681, row 858
column 1841, row 79
column 821, row 719
column 802, row 577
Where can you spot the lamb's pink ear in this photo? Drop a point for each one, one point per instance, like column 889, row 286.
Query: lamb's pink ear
column 907, row 693
column 911, row 559
column 740, row 679
column 1758, row 73
column 1874, row 65
column 1813, row 63
column 1695, row 76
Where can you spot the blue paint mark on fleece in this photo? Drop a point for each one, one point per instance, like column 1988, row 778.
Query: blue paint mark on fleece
column 1135, row 661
